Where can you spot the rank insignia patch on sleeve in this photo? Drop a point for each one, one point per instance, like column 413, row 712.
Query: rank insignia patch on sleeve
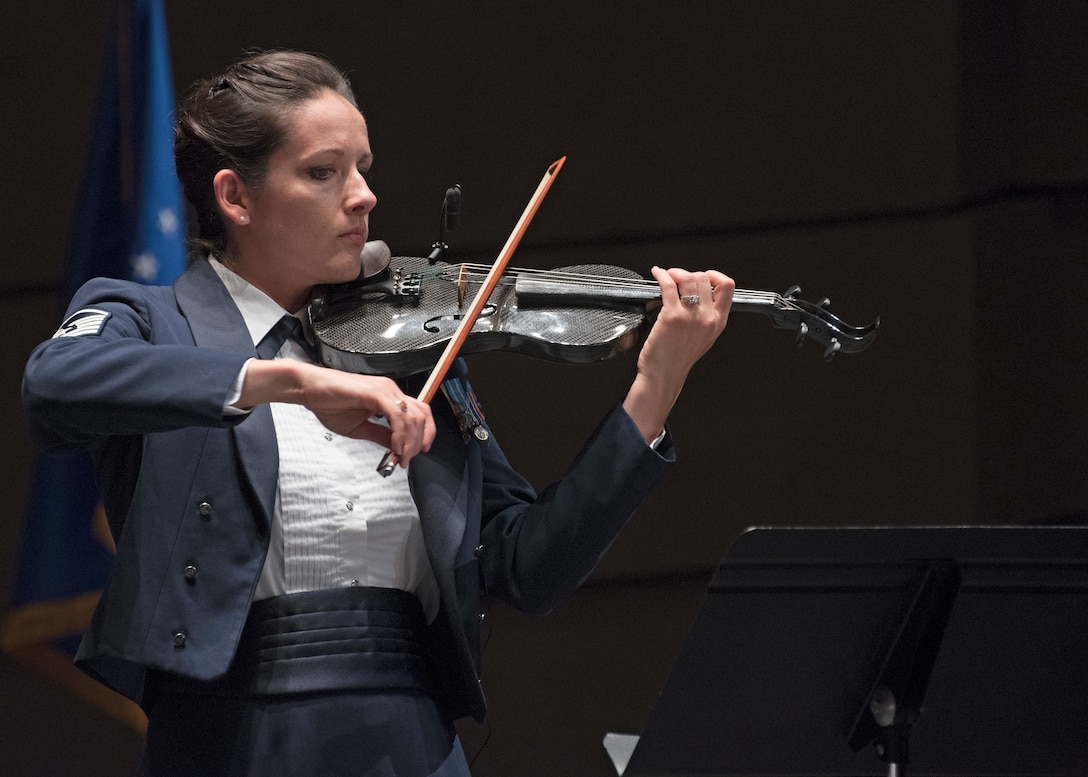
column 88, row 321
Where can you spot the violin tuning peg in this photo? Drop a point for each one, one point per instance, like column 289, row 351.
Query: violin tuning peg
column 832, row 349
column 792, row 292
column 802, row 333
column 825, row 303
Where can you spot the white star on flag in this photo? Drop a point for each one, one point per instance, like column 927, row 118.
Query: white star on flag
column 145, row 267
column 168, row 222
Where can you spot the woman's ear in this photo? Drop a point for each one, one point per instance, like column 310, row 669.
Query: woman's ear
column 230, row 192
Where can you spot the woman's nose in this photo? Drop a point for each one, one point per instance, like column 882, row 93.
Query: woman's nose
column 361, row 196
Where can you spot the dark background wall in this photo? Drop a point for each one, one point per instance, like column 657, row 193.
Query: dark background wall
column 921, row 161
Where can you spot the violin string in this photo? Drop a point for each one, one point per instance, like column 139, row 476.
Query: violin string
column 579, row 278
column 576, row 277
column 622, row 283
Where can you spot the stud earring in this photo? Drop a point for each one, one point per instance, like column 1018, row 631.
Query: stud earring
column 243, row 219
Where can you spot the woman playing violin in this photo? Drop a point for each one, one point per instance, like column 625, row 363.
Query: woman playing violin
column 276, row 606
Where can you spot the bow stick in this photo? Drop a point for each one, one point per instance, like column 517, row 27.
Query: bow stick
column 438, row 374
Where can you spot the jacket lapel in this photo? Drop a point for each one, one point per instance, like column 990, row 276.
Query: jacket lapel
column 215, row 322
column 440, row 490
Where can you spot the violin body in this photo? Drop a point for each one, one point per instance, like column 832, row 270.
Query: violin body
column 382, row 326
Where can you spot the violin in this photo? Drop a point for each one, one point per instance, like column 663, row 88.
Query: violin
column 418, row 314
column 398, row 321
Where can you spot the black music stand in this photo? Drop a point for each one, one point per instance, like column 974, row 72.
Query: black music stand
column 979, row 634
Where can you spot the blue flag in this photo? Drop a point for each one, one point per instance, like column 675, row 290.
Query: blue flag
column 129, row 224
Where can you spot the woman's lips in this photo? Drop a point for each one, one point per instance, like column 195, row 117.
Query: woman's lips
column 356, row 237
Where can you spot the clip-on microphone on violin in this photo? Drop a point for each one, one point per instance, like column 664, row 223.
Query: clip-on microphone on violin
column 451, row 213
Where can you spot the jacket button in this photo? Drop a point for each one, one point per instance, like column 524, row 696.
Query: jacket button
column 190, row 572
column 482, row 616
column 179, row 639
column 205, row 509
column 479, row 550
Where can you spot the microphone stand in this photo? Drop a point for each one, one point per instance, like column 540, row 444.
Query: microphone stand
column 451, row 212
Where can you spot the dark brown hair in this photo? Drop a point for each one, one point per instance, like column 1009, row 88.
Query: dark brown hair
column 237, row 120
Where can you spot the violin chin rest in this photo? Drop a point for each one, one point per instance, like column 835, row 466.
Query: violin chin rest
column 374, row 258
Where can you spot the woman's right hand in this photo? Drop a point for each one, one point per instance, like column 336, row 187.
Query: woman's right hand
column 344, row 402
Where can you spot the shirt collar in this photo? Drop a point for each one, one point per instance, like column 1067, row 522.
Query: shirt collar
column 259, row 311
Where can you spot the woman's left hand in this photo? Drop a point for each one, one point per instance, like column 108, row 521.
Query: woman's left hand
column 694, row 311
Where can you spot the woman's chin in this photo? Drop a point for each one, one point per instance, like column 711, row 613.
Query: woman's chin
column 344, row 271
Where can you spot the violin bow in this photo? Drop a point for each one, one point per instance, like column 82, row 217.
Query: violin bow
column 438, row 374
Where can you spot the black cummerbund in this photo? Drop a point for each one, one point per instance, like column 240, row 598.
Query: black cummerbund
column 352, row 638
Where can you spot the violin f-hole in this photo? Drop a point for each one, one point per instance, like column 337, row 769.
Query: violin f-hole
column 434, row 325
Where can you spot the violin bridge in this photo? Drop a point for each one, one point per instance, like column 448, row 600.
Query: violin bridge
column 462, row 282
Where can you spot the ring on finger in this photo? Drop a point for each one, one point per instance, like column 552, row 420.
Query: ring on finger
column 402, row 405
column 690, row 299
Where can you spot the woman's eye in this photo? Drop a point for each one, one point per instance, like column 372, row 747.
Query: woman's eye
column 321, row 173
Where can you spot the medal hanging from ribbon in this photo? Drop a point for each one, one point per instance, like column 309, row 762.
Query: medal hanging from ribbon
column 470, row 418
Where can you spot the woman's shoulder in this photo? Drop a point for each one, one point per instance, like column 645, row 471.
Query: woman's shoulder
column 128, row 300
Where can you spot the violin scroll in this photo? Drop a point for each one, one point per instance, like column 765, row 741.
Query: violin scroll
column 811, row 321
